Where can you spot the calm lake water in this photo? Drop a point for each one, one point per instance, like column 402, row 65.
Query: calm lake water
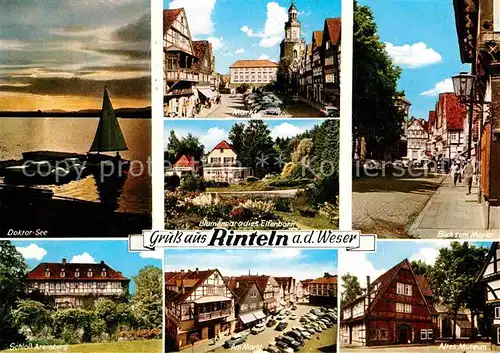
column 18, row 135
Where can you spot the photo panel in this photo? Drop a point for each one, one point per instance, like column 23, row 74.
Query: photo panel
column 251, row 300
column 424, row 120
column 80, row 296
column 75, row 111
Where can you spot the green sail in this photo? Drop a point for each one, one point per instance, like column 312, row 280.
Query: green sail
column 109, row 136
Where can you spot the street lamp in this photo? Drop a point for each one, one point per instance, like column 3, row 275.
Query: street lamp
column 463, row 85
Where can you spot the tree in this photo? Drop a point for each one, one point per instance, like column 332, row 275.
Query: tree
column 283, row 82
column 452, row 277
column 376, row 116
column 173, row 147
column 13, row 272
column 421, row 268
column 113, row 314
column 351, row 288
column 188, row 145
column 33, row 315
column 147, row 301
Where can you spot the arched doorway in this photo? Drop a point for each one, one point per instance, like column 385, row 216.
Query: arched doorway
column 403, row 333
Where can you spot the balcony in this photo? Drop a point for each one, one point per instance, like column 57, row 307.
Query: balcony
column 202, row 317
column 181, row 75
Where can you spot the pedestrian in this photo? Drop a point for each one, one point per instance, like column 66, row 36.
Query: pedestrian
column 455, row 173
column 468, row 172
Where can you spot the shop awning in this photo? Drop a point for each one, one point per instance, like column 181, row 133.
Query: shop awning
column 246, row 318
column 211, row 299
column 206, row 92
column 259, row 314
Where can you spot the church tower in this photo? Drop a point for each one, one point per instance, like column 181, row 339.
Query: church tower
column 293, row 46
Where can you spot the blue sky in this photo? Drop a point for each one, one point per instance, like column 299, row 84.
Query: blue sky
column 253, row 26
column 427, row 65
column 298, row 263
column 389, row 254
column 114, row 253
column 211, row 132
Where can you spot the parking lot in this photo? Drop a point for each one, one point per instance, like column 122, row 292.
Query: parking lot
column 319, row 342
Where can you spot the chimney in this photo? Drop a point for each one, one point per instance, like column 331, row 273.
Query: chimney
column 102, row 262
column 182, row 271
column 249, row 272
column 197, row 270
column 64, row 261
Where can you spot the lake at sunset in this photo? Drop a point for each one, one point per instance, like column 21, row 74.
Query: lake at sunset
column 19, row 135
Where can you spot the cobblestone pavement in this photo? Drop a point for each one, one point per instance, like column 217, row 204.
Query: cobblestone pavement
column 388, row 205
column 458, row 348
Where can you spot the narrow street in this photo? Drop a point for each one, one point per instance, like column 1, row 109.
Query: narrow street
column 229, row 105
column 388, row 205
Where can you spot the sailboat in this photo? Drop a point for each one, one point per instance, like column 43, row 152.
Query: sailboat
column 108, row 138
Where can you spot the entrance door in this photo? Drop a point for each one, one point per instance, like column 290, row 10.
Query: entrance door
column 211, row 332
column 403, row 335
column 498, row 335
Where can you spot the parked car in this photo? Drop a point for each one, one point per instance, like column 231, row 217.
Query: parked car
column 287, row 312
column 304, row 332
column 294, row 307
column 295, row 335
column 312, row 317
column 293, row 317
column 271, row 323
column 321, row 324
column 281, row 326
column 234, row 341
column 304, row 320
column 310, row 329
column 272, row 349
column 258, row 328
column 292, row 343
column 329, row 111
column 282, row 345
column 280, row 317
column 315, row 327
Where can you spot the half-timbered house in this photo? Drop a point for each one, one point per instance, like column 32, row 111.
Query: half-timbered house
column 288, row 285
column 394, row 310
column 323, row 290
column 199, row 305
column 249, row 303
column 489, row 280
column 270, row 290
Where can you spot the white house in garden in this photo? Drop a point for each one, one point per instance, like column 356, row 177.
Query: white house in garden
column 222, row 165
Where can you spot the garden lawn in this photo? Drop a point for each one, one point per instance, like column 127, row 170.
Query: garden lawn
column 146, row 346
column 317, row 222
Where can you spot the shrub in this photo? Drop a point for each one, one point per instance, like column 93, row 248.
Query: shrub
column 330, row 212
column 283, row 204
column 308, row 212
column 323, row 190
column 240, row 214
column 172, row 182
column 47, row 342
column 140, row 334
column 192, row 182
column 251, row 179
column 71, row 335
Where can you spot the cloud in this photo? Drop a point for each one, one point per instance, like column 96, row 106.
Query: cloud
column 217, row 43
column 286, row 130
column 199, row 14
column 84, row 258
column 440, row 87
column 414, row 55
column 273, row 28
column 212, row 137
column 357, row 264
column 157, row 254
column 263, row 57
column 32, row 252
column 240, row 51
column 427, row 255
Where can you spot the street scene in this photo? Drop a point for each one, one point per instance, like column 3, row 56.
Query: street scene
column 272, row 174
column 249, row 305
column 280, row 60
column 425, row 150
column 414, row 296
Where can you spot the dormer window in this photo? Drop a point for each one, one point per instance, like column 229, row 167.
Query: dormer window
column 47, row 273
column 89, row 273
column 103, row 272
column 62, row 273
column 77, row 273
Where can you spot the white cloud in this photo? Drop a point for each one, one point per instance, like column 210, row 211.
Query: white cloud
column 213, row 136
column 414, row 55
column 217, row 43
column 199, row 14
column 440, row 87
column 84, row 258
column 32, row 251
column 286, row 130
column 240, row 51
column 357, row 264
column 263, row 57
column 156, row 254
column 427, row 255
column 273, row 31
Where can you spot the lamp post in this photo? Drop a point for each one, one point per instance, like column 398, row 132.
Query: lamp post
column 464, row 87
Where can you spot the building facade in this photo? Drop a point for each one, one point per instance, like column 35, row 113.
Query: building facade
column 293, row 46
column 253, row 72
column 198, row 305
column 183, row 166
column 417, row 137
column 317, row 66
column 394, row 310
column 204, row 69
column 331, row 61
column 269, row 288
column 222, row 165
column 249, row 303
column 72, row 285
column 288, row 286
column 323, row 291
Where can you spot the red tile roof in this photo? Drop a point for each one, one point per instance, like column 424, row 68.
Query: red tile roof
column 432, row 118
column 169, row 17
column 55, row 270
column 318, row 38
column 186, row 281
column 325, row 280
column 261, row 281
column 333, row 28
column 223, row 145
column 454, row 111
column 254, row 63
column 186, row 161
column 424, row 285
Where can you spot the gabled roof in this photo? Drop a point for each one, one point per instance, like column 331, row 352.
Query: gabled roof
column 333, row 28
column 55, row 269
column 186, row 161
column 254, row 63
column 261, row 281
column 424, row 285
column 169, row 16
column 317, row 38
column 487, row 260
column 284, row 281
column 186, row 283
column 241, row 288
column 454, row 111
column 223, row 145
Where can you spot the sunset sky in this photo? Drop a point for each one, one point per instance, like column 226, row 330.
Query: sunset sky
column 59, row 55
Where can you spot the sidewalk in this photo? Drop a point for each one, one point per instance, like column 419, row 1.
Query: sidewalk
column 450, row 213
column 206, row 112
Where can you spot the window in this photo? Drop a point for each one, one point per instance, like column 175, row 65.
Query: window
column 429, row 334
column 407, row 308
column 62, row 273
column 423, row 335
column 497, row 312
column 408, row 289
column 496, row 15
column 77, row 273
column 400, row 289
column 103, row 272
column 89, row 273
column 382, row 334
column 400, row 308
column 47, row 273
